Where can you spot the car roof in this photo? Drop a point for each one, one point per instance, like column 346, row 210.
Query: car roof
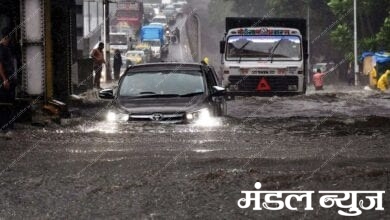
column 159, row 16
column 165, row 67
column 156, row 24
column 135, row 51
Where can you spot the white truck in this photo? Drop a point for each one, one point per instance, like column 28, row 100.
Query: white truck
column 264, row 56
column 119, row 41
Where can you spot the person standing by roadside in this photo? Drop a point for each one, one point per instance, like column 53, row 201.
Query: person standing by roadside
column 373, row 78
column 318, row 80
column 7, row 83
column 350, row 76
column 383, row 82
column 117, row 64
column 98, row 61
column 177, row 34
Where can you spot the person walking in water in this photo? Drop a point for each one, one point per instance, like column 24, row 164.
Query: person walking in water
column 98, row 61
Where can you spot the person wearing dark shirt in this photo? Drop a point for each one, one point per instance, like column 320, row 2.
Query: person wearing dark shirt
column 177, row 34
column 117, row 64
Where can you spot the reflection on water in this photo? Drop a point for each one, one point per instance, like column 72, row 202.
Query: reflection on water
column 145, row 127
column 203, row 150
column 102, row 127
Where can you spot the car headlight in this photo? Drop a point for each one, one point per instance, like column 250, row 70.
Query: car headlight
column 202, row 118
column 200, row 115
column 116, row 117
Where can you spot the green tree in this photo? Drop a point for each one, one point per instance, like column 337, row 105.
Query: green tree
column 373, row 26
column 383, row 37
column 321, row 23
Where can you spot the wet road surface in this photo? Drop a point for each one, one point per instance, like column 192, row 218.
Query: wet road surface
column 337, row 139
column 91, row 169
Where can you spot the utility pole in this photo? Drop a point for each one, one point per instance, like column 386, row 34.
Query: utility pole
column 308, row 42
column 355, row 43
column 199, row 55
column 106, row 23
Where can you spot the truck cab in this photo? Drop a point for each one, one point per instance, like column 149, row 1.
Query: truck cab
column 119, row 41
column 153, row 35
column 264, row 58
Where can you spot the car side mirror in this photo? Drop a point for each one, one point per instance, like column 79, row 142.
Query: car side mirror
column 218, row 91
column 222, row 47
column 106, row 94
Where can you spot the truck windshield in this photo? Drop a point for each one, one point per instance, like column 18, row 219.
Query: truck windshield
column 127, row 14
column 259, row 47
column 118, row 39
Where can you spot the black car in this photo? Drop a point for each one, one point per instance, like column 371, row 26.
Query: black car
column 167, row 92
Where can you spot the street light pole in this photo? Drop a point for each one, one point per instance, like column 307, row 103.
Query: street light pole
column 355, row 43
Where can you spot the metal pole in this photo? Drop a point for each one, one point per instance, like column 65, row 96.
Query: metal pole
column 48, row 51
column 89, row 17
column 106, row 22
column 355, row 43
column 97, row 15
column 308, row 44
column 199, row 38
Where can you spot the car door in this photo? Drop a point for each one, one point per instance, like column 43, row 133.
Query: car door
column 218, row 102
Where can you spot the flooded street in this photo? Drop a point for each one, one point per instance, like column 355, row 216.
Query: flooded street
column 86, row 166
column 92, row 169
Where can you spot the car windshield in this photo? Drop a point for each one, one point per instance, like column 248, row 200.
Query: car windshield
column 135, row 53
column 178, row 5
column 175, row 82
column 261, row 47
column 169, row 10
column 159, row 20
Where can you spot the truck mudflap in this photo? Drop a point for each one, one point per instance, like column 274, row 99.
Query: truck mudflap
column 254, row 85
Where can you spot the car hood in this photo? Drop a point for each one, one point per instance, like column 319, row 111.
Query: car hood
column 162, row 104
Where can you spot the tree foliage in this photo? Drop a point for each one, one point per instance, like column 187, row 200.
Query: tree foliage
column 373, row 27
column 331, row 21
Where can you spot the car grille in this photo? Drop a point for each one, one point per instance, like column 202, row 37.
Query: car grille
column 158, row 117
column 250, row 83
